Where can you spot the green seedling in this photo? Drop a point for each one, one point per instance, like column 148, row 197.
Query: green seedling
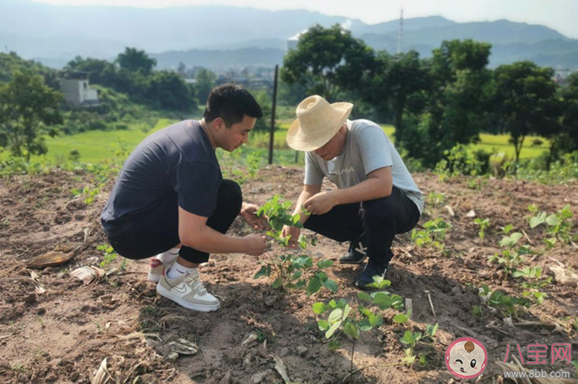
column 430, row 331
column 436, row 199
column 477, row 312
column 501, row 301
column 290, row 271
column 510, row 257
column 484, row 224
column 108, row 253
column 433, row 234
column 558, row 224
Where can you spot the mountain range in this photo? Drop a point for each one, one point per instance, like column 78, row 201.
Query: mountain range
column 222, row 37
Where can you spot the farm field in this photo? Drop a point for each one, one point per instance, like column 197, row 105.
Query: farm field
column 95, row 146
column 55, row 329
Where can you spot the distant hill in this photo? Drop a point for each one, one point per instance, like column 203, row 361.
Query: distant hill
column 224, row 36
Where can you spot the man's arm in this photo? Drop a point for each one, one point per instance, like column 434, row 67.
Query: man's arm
column 378, row 184
column 194, row 233
column 308, row 192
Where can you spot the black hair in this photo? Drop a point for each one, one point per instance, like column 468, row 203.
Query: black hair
column 230, row 102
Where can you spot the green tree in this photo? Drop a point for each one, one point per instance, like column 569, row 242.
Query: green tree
column 94, row 67
column 205, row 82
column 134, row 60
column 399, row 82
column 525, row 101
column 28, row 109
column 169, row 90
column 567, row 141
column 457, row 101
column 327, row 61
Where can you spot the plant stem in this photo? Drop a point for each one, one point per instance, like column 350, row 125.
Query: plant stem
column 352, row 354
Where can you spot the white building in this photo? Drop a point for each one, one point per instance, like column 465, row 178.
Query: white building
column 77, row 93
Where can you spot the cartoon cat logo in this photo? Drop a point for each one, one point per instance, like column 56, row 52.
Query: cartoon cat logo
column 466, row 358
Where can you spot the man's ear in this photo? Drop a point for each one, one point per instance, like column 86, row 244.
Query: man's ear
column 219, row 123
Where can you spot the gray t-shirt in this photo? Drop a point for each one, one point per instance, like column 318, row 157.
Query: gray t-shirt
column 367, row 148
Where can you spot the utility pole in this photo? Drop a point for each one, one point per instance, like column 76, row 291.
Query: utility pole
column 272, row 132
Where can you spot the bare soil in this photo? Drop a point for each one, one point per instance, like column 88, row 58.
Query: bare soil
column 63, row 334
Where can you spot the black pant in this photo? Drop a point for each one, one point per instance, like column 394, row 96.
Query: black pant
column 158, row 230
column 377, row 221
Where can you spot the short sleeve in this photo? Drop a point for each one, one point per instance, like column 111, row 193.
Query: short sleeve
column 313, row 174
column 374, row 148
column 197, row 185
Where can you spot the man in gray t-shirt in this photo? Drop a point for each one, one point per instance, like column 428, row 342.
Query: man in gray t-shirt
column 376, row 197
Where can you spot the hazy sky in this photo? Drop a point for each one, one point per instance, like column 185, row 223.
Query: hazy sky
column 561, row 15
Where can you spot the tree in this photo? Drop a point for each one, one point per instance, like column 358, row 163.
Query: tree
column 328, row 61
column 525, row 101
column 399, row 82
column 28, row 107
column 169, row 90
column 94, row 67
column 567, row 141
column 134, row 60
column 457, row 100
column 205, row 82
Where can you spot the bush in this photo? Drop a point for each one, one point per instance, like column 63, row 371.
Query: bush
column 463, row 160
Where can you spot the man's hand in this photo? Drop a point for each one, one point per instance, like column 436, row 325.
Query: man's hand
column 294, row 232
column 249, row 213
column 255, row 245
column 320, row 203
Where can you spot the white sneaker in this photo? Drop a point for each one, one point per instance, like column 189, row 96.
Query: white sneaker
column 187, row 291
column 156, row 267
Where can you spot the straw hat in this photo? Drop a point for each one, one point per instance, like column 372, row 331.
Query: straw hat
column 317, row 122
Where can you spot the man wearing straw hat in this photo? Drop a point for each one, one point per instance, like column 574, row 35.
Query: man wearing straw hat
column 376, row 197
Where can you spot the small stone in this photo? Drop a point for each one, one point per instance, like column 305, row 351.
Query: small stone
column 41, row 311
column 284, row 351
column 74, row 376
column 301, row 350
column 172, row 357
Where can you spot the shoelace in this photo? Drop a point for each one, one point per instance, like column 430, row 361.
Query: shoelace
column 194, row 281
column 361, row 249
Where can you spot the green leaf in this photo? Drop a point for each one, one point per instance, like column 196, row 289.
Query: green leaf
column 431, row 330
column 323, row 325
column 314, row 285
column 332, row 330
column 364, row 297
column 264, row 271
column 346, row 311
column 336, row 314
column 319, row 308
column 553, row 220
column 331, row 285
column 400, row 318
column 382, row 300
column 325, row 264
column 535, row 221
column 351, row 330
column 364, row 325
column 277, row 283
column 508, row 228
column 375, row 320
column 408, row 338
column 334, row 344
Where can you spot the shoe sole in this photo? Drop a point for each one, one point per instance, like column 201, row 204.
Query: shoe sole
column 352, row 261
column 195, row 307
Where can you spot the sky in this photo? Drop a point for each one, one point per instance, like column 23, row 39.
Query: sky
column 561, row 15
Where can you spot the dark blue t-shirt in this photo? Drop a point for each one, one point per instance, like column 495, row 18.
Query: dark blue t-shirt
column 175, row 162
